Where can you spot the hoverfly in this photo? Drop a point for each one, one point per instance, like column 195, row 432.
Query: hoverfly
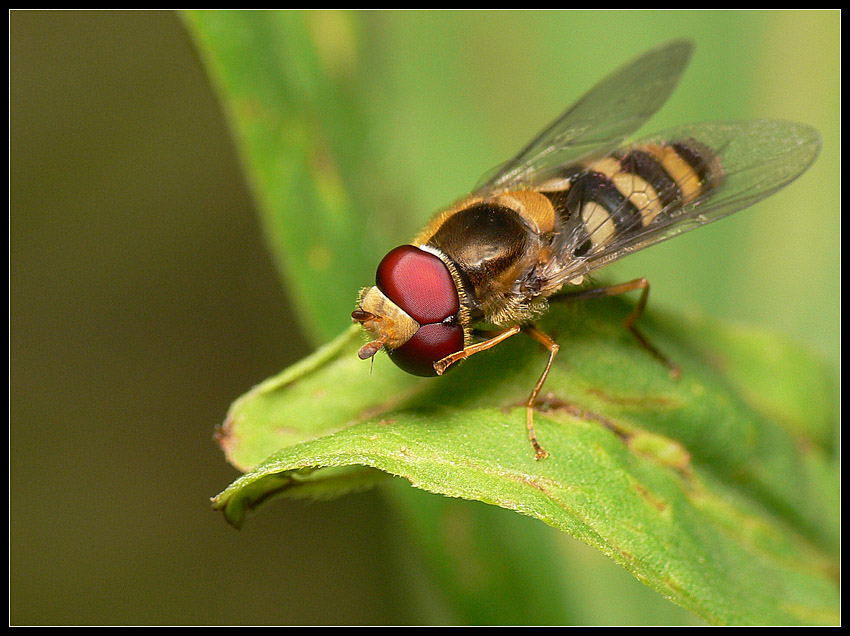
column 574, row 199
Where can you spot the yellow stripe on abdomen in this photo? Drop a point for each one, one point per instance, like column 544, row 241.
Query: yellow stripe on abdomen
column 680, row 171
column 598, row 223
column 642, row 195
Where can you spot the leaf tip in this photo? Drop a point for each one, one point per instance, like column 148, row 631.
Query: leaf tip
column 234, row 512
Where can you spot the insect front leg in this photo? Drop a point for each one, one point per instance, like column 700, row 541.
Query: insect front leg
column 629, row 322
column 441, row 365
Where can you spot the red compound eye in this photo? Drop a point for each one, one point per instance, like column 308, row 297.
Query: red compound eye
column 419, row 283
column 428, row 345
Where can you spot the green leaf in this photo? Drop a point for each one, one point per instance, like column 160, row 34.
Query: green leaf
column 301, row 143
column 689, row 484
column 720, row 491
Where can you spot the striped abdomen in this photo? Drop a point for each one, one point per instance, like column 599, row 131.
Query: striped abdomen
column 626, row 191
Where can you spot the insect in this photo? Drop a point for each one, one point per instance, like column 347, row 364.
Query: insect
column 574, row 199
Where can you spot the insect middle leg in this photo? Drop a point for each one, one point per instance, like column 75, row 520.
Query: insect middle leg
column 552, row 346
column 629, row 322
column 441, row 365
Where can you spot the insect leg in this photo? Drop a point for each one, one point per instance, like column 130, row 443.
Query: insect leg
column 552, row 346
column 440, row 366
column 629, row 322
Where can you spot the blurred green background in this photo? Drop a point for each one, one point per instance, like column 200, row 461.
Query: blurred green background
column 143, row 300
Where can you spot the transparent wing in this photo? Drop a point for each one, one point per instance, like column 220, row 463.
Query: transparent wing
column 756, row 158
column 599, row 122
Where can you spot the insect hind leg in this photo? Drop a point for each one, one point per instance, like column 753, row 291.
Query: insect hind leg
column 629, row 322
